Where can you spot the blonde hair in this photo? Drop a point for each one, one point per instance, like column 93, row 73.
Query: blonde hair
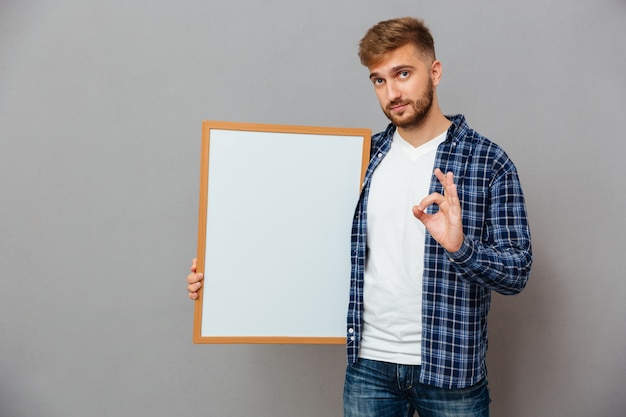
column 389, row 35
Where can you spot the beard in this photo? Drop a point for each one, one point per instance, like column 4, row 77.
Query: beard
column 420, row 106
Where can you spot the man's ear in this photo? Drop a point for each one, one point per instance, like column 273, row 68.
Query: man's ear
column 436, row 71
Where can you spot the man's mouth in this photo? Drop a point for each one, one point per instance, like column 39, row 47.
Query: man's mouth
column 398, row 107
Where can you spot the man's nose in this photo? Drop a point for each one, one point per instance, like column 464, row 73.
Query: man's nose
column 393, row 93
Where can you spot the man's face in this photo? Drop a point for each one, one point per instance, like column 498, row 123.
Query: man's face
column 404, row 86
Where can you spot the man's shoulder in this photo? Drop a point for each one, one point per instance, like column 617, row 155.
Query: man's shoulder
column 463, row 134
column 483, row 150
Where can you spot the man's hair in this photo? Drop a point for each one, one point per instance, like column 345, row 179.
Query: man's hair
column 389, row 35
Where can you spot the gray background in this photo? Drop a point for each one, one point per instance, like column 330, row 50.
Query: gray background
column 101, row 104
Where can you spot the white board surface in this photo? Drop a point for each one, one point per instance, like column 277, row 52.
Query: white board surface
column 279, row 209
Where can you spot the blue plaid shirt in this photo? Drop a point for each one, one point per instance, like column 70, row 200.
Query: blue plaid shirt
column 496, row 255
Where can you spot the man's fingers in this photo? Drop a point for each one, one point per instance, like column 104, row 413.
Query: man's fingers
column 420, row 214
column 447, row 181
column 194, row 287
column 440, row 176
column 193, row 278
column 194, row 281
column 434, row 198
column 193, row 290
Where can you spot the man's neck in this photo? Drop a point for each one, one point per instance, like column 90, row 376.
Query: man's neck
column 433, row 126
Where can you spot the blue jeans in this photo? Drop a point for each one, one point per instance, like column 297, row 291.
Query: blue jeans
column 380, row 389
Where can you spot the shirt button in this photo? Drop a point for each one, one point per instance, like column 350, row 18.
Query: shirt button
column 352, row 338
column 351, row 330
column 380, row 154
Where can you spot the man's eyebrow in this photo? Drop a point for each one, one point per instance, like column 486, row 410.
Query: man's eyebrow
column 394, row 70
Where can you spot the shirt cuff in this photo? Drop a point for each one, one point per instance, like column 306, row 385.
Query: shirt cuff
column 464, row 254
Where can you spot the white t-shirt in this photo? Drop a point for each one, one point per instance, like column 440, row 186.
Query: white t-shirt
column 392, row 294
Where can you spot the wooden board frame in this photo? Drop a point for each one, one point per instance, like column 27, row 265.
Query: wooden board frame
column 325, row 162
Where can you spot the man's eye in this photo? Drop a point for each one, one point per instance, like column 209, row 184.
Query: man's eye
column 404, row 74
column 378, row 81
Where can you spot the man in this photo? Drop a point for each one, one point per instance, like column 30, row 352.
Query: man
column 423, row 271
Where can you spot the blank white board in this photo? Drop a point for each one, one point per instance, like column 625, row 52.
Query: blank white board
column 276, row 207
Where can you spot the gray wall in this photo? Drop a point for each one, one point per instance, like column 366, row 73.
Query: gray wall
column 101, row 104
